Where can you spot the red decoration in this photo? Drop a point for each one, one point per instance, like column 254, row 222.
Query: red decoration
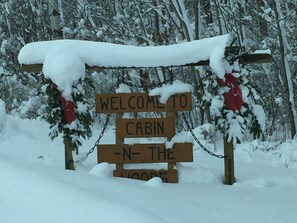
column 67, row 107
column 233, row 98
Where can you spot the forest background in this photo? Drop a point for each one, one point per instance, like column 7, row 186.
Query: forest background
column 254, row 25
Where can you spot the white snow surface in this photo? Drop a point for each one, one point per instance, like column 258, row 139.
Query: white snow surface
column 35, row 187
column 168, row 90
column 64, row 60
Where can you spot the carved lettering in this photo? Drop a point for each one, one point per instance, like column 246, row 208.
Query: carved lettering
column 133, row 127
column 167, row 176
column 140, row 102
column 183, row 101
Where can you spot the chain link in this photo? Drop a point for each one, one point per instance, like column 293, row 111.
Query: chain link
column 199, row 143
column 99, row 138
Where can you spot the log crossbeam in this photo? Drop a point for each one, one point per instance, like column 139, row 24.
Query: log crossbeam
column 243, row 59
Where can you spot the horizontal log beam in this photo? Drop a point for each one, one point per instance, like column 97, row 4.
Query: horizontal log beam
column 243, row 59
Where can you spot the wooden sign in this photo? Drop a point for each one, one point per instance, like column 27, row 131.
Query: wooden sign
column 145, row 153
column 141, row 102
column 167, row 176
column 147, row 127
column 121, row 153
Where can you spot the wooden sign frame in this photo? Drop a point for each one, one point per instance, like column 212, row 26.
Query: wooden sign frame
column 121, row 153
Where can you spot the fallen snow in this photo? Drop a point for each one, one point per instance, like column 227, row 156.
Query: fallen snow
column 64, row 60
column 35, row 188
column 180, row 137
column 267, row 51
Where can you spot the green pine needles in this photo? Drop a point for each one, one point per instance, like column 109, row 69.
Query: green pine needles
column 80, row 128
column 233, row 124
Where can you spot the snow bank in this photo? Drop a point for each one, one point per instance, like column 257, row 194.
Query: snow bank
column 64, row 60
column 35, row 189
column 2, row 115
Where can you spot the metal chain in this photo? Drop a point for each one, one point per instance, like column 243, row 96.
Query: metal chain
column 99, row 138
column 199, row 143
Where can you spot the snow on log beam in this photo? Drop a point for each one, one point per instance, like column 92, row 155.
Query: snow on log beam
column 65, row 61
column 243, row 59
column 57, row 54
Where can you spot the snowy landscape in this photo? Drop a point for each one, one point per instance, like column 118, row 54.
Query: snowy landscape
column 192, row 80
column 36, row 188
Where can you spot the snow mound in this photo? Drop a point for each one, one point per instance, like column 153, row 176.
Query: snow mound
column 168, row 90
column 102, row 169
column 154, row 182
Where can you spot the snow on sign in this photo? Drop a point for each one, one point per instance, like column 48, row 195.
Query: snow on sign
column 121, row 153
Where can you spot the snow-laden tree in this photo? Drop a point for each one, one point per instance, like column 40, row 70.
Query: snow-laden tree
column 2, row 115
column 157, row 22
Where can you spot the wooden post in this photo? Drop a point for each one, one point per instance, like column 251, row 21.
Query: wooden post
column 119, row 141
column 229, row 162
column 171, row 114
column 69, row 164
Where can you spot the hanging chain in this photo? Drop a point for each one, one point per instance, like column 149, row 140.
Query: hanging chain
column 99, row 138
column 199, row 143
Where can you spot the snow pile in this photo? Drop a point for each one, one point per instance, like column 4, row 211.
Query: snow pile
column 2, row 115
column 168, row 90
column 64, row 68
column 180, row 137
column 64, row 60
column 123, row 88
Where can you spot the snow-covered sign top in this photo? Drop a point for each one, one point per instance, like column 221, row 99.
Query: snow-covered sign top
column 64, row 60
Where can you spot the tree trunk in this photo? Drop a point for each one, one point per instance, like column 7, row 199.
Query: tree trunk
column 285, row 69
column 262, row 23
column 55, row 19
column 197, row 19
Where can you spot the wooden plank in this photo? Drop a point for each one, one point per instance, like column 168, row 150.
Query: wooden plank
column 171, row 164
column 167, row 176
column 243, row 59
column 31, row 67
column 146, row 127
column 141, row 102
column 255, row 58
column 119, row 141
column 145, row 153
column 229, row 163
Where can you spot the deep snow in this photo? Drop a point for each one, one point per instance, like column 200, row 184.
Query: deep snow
column 34, row 187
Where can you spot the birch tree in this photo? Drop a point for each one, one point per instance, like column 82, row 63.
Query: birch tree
column 285, row 69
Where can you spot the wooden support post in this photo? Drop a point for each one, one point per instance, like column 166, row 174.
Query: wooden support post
column 119, row 141
column 229, row 162
column 171, row 114
column 69, row 164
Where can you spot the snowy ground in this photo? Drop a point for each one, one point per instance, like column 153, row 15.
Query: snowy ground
column 34, row 187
